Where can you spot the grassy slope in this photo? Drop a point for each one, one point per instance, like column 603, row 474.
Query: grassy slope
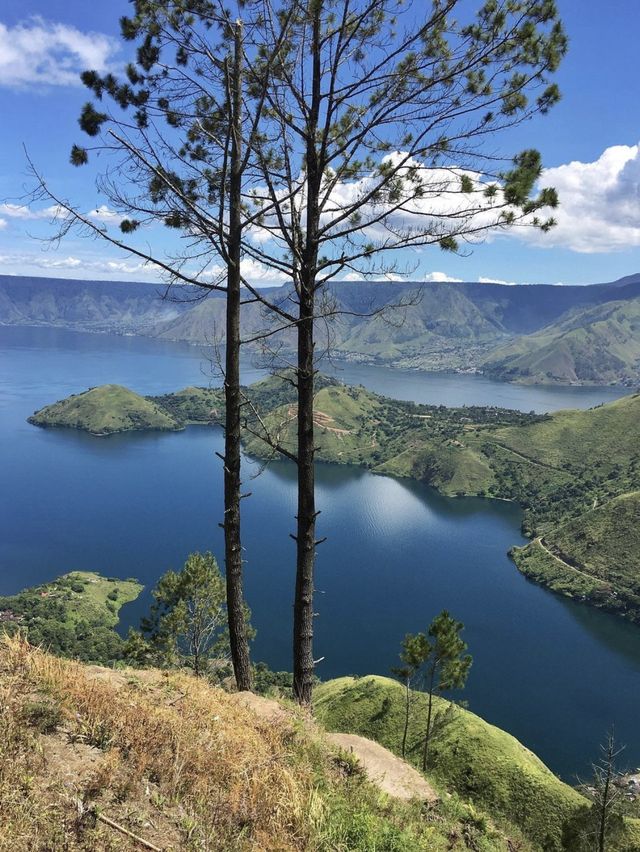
column 441, row 329
column 94, row 602
column 478, row 761
column 192, row 405
column 605, row 435
column 105, row 410
column 594, row 557
column 593, row 345
column 606, row 541
column 187, row 766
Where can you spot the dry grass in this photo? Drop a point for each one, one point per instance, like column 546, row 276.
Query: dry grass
column 186, row 766
column 184, row 755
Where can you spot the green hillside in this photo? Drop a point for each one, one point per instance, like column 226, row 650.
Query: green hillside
column 606, row 541
column 74, row 616
column 595, row 556
column 556, row 467
column 595, row 345
column 565, row 465
column 585, row 334
column 442, row 328
column 480, row 762
column 192, row 405
column 357, row 426
column 105, row 410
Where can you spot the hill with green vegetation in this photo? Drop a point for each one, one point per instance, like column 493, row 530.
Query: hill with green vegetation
column 479, row 762
column 124, row 759
column 106, row 410
column 558, row 467
column 594, row 345
column 74, row 616
column 594, row 556
column 109, row 409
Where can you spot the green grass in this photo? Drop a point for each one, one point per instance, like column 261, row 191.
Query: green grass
column 606, row 435
column 539, row 565
column 604, row 542
column 193, row 405
column 479, row 762
column 101, row 598
column 105, row 410
column 593, row 557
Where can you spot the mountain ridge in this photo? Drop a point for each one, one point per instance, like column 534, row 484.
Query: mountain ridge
column 464, row 326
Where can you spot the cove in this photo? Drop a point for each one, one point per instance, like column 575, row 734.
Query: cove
column 552, row 672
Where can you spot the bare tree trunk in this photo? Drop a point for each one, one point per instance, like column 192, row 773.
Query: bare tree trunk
column 406, row 715
column 306, row 527
column 232, row 482
column 427, row 733
column 603, row 815
column 305, row 535
column 606, row 799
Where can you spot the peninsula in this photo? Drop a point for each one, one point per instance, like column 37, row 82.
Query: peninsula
column 576, row 474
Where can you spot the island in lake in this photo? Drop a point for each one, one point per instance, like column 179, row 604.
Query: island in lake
column 576, row 474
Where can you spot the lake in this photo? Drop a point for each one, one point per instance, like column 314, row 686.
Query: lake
column 554, row 673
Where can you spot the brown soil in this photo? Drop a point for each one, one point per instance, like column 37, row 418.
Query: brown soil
column 392, row 774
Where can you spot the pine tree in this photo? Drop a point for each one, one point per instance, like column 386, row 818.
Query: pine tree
column 439, row 656
column 413, row 654
column 368, row 129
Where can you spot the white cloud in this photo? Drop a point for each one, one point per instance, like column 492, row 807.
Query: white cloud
column 78, row 267
column 42, row 262
column 3, row 223
column 259, row 274
column 440, row 276
column 256, row 273
column 441, row 209
column 483, row 280
column 599, row 203
column 104, row 214
column 110, row 269
column 37, row 52
column 22, row 211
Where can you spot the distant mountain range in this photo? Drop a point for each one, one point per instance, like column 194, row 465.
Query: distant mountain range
column 534, row 334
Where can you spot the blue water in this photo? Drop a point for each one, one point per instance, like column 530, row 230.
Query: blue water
column 554, row 673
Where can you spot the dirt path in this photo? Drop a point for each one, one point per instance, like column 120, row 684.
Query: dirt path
column 392, row 774
column 266, row 708
column 528, row 459
column 566, row 564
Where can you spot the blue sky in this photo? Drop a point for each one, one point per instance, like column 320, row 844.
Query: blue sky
column 589, row 142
